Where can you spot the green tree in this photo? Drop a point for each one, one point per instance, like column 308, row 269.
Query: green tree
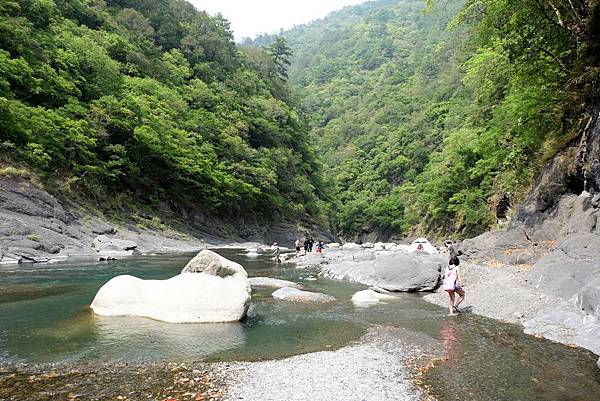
column 280, row 54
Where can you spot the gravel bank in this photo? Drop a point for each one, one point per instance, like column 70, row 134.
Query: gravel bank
column 378, row 368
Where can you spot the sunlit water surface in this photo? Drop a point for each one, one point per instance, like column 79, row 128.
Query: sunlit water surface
column 45, row 317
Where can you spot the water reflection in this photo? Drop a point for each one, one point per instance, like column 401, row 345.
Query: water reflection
column 28, row 292
column 131, row 338
column 450, row 341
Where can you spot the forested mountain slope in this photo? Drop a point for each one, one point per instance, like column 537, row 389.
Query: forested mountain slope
column 142, row 101
column 427, row 116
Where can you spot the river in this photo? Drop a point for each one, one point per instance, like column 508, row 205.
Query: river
column 45, row 317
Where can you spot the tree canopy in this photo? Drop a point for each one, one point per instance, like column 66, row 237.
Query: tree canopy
column 154, row 101
column 427, row 114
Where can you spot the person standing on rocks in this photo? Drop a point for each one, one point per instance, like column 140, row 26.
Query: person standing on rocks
column 297, row 244
column 311, row 242
column 276, row 253
column 305, row 245
column 453, row 284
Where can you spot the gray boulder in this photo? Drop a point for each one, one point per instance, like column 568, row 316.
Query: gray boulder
column 395, row 272
column 296, row 295
column 572, row 271
column 112, row 252
column 214, row 264
column 101, row 227
column 566, row 327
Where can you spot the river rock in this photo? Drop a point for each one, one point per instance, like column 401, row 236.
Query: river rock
column 363, row 256
column 351, row 246
column 379, row 246
column 102, row 242
column 212, row 263
column 333, row 245
column 272, row 282
column 112, row 252
column 296, row 295
column 210, row 289
column 394, row 272
column 369, row 297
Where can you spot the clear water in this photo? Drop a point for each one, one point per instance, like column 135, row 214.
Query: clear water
column 45, row 317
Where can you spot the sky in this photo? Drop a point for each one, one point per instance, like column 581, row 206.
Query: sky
column 251, row 17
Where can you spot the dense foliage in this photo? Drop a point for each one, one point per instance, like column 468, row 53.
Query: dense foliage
column 151, row 99
column 424, row 118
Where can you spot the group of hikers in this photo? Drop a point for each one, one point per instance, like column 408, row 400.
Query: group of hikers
column 309, row 242
column 452, row 283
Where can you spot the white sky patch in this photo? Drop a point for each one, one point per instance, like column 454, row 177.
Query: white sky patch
column 251, row 17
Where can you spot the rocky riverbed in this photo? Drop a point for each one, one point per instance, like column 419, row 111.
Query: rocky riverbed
column 380, row 367
column 154, row 382
column 384, row 365
column 494, row 289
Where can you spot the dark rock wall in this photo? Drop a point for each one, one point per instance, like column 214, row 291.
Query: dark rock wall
column 37, row 227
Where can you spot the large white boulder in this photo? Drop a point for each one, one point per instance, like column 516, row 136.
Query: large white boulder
column 210, row 289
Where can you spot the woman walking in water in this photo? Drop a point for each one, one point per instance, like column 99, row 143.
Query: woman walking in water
column 453, row 284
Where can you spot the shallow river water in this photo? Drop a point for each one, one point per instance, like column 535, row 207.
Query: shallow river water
column 45, row 317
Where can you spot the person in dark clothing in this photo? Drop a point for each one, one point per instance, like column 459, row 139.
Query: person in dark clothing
column 306, row 245
column 311, row 242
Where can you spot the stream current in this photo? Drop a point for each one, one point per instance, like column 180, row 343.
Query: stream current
column 45, row 317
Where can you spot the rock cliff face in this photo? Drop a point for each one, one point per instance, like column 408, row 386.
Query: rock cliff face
column 38, row 227
column 557, row 228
